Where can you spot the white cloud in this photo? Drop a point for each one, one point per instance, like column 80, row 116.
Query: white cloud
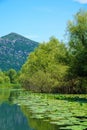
column 82, row 1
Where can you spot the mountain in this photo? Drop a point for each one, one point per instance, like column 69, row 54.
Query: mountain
column 14, row 50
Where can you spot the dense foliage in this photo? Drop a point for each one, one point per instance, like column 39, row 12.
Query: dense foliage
column 9, row 79
column 3, row 78
column 46, row 67
column 78, row 52
column 78, row 43
column 54, row 68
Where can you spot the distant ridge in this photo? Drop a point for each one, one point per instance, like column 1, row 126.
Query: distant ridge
column 12, row 36
column 14, row 49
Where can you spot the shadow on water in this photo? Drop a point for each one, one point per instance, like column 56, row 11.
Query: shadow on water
column 73, row 99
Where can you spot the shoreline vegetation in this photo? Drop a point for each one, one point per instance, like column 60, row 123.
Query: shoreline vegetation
column 54, row 67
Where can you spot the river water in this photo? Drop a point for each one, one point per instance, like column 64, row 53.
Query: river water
column 21, row 110
column 17, row 117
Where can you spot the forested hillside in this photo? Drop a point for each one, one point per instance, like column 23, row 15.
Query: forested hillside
column 14, row 50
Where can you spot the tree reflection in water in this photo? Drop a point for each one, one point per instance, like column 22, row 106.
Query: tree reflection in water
column 12, row 118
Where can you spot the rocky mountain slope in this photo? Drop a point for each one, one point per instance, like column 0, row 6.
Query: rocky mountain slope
column 14, row 50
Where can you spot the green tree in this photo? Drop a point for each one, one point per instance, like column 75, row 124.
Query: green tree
column 77, row 30
column 3, row 78
column 12, row 75
column 46, row 67
column 78, row 43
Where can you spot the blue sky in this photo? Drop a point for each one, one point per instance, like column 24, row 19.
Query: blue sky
column 38, row 19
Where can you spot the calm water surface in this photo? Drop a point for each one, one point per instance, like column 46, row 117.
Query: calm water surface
column 17, row 117
column 20, row 110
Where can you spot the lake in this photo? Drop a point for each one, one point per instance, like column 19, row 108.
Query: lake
column 23, row 110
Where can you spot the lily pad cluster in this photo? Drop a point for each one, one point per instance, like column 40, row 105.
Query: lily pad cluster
column 66, row 114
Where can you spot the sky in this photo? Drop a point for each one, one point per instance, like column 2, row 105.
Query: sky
column 38, row 20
